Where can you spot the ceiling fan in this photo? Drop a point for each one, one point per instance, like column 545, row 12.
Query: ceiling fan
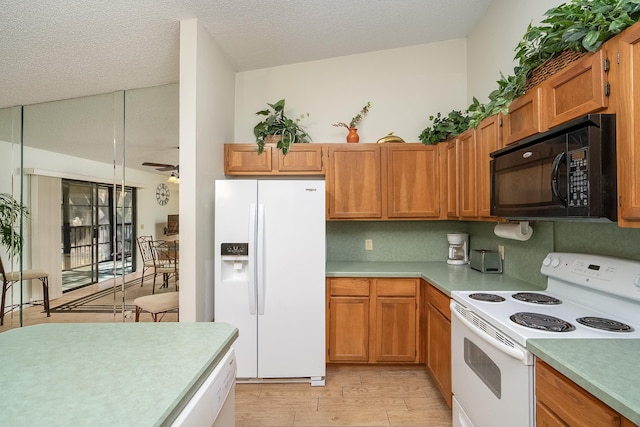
column 163, row 167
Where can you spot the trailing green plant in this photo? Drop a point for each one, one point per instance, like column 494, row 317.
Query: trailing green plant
column 444, row 127
column 578, row 25
column 276, row 123
column 11, row 210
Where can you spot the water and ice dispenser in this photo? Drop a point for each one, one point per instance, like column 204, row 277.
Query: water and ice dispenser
column 235, row 261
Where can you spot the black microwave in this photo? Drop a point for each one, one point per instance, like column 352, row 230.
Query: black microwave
column 567, row 172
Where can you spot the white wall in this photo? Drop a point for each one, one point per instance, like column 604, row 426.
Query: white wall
column 492, row 43
column 206, row 123
column 405, row 86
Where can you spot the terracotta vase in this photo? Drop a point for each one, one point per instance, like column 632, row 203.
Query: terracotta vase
column 352, row 136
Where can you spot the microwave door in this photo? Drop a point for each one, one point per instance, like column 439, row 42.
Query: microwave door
column 531, row 181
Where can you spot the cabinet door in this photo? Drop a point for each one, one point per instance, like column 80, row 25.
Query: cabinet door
column 569, row 402
column 302, row 159
column 488, row 139
column 348, row 335
column 413, row 184
column 439, row 350
column 546, row 418
column 628, row 129
column 578, row 89
column 467, row 174
column 452, row 180
column 354, row 181
column 395, row 339
column 525, row 116
column 396, row 320
column 243, row 159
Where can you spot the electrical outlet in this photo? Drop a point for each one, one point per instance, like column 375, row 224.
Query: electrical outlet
column 368, row 245
column 501, row 251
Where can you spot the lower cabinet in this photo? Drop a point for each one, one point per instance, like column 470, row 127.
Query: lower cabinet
column 561, row 402
column 373, row 320
column 439, row 340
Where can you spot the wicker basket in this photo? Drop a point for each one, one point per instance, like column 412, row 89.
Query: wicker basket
column 550, row 67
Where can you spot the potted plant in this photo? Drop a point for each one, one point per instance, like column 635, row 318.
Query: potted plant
column 10, row 212
column 443, row 128
column 353, row 130
column 285, row 130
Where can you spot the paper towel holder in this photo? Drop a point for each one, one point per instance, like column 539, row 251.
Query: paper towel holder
column 520, row 230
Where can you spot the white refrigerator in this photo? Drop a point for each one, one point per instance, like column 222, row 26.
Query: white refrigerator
column 270, row 275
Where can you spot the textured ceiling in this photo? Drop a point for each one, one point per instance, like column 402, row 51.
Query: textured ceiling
column 60, row 49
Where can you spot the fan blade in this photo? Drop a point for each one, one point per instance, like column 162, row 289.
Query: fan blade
column 163, row 167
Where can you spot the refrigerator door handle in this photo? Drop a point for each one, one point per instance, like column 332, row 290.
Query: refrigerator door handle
column 251, row 283
column 261, row 279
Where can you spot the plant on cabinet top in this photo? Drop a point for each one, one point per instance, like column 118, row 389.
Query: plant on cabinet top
column 285, row 130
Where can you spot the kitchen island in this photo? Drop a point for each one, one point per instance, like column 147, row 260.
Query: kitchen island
column 105, row 374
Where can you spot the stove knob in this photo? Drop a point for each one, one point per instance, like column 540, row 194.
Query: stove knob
column 546, row 262
column 555, row 262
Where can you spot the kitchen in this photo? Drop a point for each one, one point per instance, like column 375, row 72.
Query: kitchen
column 406, row 241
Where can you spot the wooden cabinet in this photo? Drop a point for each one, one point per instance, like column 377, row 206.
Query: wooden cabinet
column 301, row 159
column 413, row 180
column 373, row 320
column 628, row 128
column 348, row 320
column 579, row 89
column 488, row 139
column 525, row 117
column 354, row 181
column 383, row 181
column 561, row 402
column 453, row 207
column 439, row 340
column 467, row 174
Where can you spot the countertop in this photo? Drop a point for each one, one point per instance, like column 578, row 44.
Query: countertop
column 443, row 276
column 605, row 368
column 106, row 374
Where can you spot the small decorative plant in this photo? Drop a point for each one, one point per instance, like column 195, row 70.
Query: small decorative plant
column 356, row 119
column 277, row 124
column 10, row 212
column 445, row 127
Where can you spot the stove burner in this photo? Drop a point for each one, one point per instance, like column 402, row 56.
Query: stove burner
column 542, row 322
column 536, row 298
column 486, row 297
column 604, row 324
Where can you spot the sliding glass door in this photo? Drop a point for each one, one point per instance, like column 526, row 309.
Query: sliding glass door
column 90, row 224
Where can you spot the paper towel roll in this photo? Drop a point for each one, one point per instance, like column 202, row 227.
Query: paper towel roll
column 514, row 230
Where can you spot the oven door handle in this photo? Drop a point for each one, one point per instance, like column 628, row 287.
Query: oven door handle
column 516, row 353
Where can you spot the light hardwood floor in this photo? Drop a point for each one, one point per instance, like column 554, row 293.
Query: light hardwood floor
column 354, row 395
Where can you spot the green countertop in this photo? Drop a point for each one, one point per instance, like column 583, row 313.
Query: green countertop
column 605, row 368
column 608, row 369
column 445, row 277
column 106, row 374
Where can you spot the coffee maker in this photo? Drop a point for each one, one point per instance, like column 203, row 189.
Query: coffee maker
column 458, row 248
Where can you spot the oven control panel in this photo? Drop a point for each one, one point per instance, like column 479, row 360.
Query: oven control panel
column 613, row 275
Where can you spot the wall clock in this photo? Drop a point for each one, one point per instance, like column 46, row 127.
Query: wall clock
column 162, row 194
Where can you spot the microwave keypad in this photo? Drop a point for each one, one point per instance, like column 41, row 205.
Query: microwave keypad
column 578, row 179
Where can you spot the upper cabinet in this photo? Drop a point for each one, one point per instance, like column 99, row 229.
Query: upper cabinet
column 488, row 139
column 525, row 117
column 579, row 89
column 302, row 159
column 467, row 174
column 628, row 128
column 383, row 181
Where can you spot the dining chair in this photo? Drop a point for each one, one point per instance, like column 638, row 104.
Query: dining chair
column 9, row 278
column 165, row 262
column 146, row 253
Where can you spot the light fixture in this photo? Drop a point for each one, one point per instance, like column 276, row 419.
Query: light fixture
column 174, row 178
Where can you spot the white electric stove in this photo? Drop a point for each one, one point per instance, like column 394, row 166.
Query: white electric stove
column 587, row 296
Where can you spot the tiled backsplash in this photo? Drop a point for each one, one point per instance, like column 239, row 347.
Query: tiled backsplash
column 427, row 241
